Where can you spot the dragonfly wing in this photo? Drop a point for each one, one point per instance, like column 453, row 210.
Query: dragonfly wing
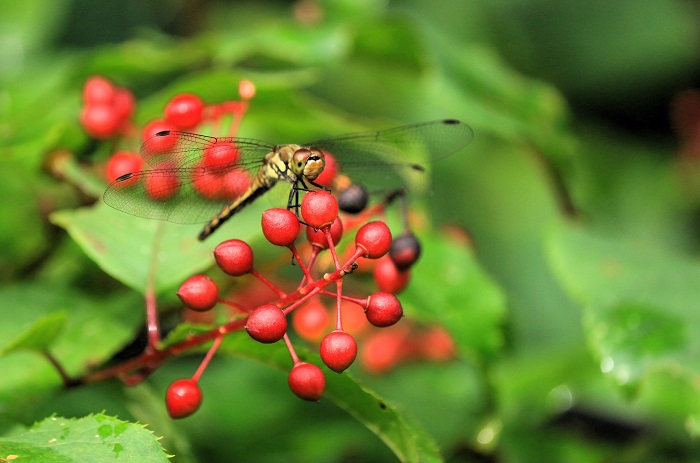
column 386, row 160
column 182, row 186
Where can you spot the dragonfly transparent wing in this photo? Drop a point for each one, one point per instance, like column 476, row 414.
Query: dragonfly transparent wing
column 185, row 184
column 385, row 160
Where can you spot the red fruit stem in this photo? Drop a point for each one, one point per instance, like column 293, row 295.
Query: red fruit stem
column 267, row 283
column 297, row 257
column 292, row 352
column 327, row 233
column 359, row 252
column 238, row 114
column 137, row 369
column 234, row 305
column 301, row 301
column 361, row 302
column 152, row 318
column 210, row 354
column 312, row 260
column 338, row 300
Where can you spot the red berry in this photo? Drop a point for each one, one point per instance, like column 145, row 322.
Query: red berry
column 234, row 257
column 319, row 208
column 99, row 120
column 405, row 251
column 280, row 226
column 436, row 344
column 221, row 154
column 330, row 170
column 98, row 91
column 124, row 104
column 306, row 380
column 123, row 162
column 199, row 293
column 389, row 278
column 234, row 184
column 162, row 185
column 184, row 111
column 338, row 350
column 162, row 144
column 266, row 324
column 183, row 398
column 318, row 239
column 383, row 309
column 374, row 238
column 384, row 350
column 311, row 320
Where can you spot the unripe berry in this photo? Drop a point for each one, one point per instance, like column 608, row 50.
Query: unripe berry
column 383, row 309
column 184, row 111
column 306, row 380
column 318, row 239
column 280, row 226
column 266, row 324
column 374, row 238
column 319, row 209
column 183, row 398
column 405, row 251
column 388, row 278
column 338, row 350
column 234, row 257
column 199, row 293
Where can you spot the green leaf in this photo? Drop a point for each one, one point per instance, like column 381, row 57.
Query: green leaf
column 94, row 438
column 38, row 335
column 448, row 286
column 135, row 250
column 641, row 307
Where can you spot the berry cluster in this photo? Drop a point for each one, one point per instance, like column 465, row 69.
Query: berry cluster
column 106, row 114
column 268, row 322
column 107, row 108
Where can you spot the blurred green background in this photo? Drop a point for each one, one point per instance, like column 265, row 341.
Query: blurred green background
column 574, row 308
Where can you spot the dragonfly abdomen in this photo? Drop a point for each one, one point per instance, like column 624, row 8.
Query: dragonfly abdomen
column 261, row 184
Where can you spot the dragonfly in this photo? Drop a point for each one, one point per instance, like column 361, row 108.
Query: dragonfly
column 195, row 178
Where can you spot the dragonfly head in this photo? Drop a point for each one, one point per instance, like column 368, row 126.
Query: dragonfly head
column 308, row 163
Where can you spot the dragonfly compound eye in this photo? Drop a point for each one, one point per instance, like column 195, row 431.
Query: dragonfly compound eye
column 314, row 164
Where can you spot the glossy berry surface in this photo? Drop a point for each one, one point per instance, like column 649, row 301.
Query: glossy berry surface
column 383, row 309
column 338, row 350
column 374, row 238
column 98, row 91
column 100, row 120
column 234, row 257
column 280, row 226
column 184, row 111
column 161, row 144
column 306, row 380
column 319, row 209
column 199, row 293
column 266, row 324
column 183, row 398
column 330, row 170
column 405, row 251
